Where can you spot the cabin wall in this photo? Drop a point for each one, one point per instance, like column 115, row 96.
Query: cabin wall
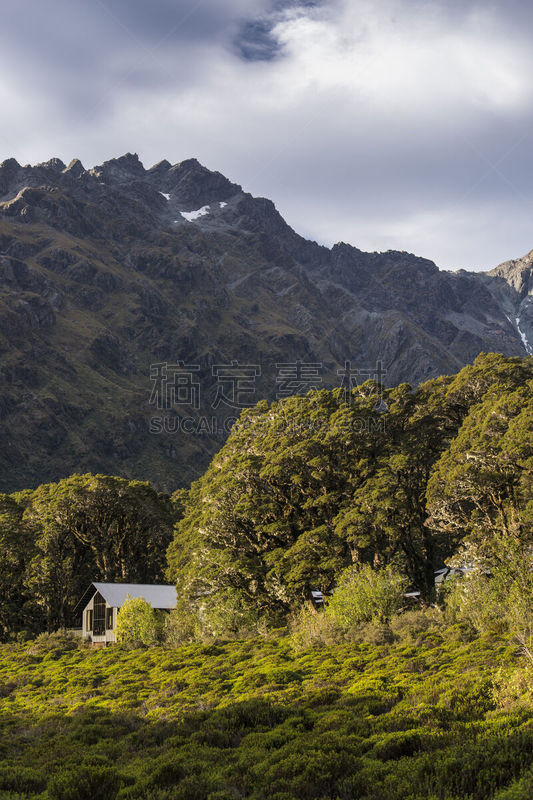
column 109, row 637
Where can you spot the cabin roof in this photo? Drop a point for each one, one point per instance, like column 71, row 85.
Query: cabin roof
column 158, row 595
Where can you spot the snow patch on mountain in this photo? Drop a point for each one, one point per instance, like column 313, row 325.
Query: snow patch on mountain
column 192, row 215
column 527, row 346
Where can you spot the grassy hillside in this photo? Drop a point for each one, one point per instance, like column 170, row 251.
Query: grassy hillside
column 430, row 716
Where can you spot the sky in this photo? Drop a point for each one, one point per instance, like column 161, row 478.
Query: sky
column 388, row 124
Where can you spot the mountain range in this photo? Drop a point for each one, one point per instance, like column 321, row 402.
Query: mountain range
column 140, row 309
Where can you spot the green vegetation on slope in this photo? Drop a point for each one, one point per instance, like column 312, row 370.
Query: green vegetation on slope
column 429, row 717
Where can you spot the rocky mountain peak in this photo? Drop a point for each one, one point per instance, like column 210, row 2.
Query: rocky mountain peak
column 161, row 168
column 53, row 164
column 195, row 186
column 10, row 165
column 75, row 168
column 517, row 273
column 124, row 168
column 9, row 169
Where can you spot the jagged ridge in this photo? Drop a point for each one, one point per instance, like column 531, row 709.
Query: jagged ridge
column 107, row 270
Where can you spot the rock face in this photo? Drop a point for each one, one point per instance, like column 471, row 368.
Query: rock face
column 108, row 272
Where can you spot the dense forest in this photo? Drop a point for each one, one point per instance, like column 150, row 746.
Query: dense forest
column 244, row 691
column 303, row 489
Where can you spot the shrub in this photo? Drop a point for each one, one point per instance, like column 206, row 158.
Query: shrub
column 86, row 783
column 224, row 615
column 309, row 628
column 395, row 745
column 181, row 627
column 377, row 633
column 364, row 595
column 497, row 595
column 138, row 623
column 59, row 642
column 514, row 688
column 229, row 615
column 409, row 626
column 21, row 780
column 472, row 600
column 519, row 790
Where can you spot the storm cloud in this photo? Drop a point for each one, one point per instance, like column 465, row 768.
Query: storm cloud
column 402, row 124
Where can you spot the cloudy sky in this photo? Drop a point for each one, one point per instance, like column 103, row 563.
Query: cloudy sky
column 401, row 124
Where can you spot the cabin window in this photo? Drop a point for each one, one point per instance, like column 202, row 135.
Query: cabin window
column 99, row 605
column 109, row 619
column 89, row 619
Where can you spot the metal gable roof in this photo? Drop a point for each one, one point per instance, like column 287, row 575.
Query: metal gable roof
column 158, row 596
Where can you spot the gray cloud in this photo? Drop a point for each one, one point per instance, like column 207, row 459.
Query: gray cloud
column 256, row 42
column 256, row 39
column 391, row 123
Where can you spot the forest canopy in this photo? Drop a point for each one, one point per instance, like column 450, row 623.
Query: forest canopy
column 307, row 486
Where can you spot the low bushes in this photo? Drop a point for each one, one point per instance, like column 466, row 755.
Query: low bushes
column 84, row 783
column 419, row 718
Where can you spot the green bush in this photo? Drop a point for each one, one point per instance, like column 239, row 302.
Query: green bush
column 181, row 627
column 472, row 600
column 410, row 625
column 84, row 783
column 228, row 614
column 309, row 628
column 521, row 789
column 392, row 746
column 497, row 595
column 514, row 687
column 138, row 624
column 22, row 779
column 58, row 642
column 364, row 595
column 166, row 774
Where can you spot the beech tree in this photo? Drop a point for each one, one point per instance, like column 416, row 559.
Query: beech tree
column 16, row 550
column 126, row 525
column 260, row 522
column 482, row 485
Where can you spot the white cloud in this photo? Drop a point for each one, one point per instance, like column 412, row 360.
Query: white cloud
column 405, row 58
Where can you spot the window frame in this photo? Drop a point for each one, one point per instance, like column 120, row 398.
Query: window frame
column 99, row 615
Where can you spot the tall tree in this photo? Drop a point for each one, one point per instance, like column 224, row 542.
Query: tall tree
column 482, row 486
column 16, row 550
column 61, row 568
column 261, row 520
